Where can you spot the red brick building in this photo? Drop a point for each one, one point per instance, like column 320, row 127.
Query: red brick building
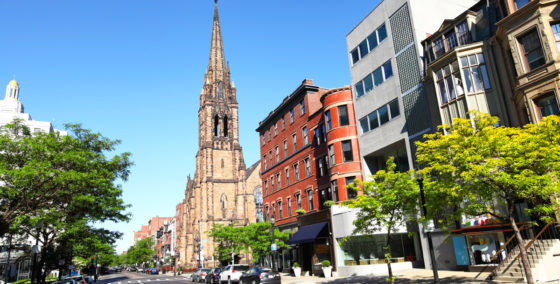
column 309, row 152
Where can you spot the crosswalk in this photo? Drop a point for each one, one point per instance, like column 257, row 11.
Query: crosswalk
column 141, row 281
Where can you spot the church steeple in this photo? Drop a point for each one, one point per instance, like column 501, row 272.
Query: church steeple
column 217, row 68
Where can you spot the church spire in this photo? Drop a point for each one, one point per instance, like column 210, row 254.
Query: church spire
column 217, row 63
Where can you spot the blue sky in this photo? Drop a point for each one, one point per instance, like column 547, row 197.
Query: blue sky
column 133, row 70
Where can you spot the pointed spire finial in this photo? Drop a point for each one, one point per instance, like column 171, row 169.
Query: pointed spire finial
column 216, row 1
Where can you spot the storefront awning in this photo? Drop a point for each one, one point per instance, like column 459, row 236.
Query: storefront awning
column 307, row 234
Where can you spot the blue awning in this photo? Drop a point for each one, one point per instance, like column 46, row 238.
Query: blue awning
column 307, row 234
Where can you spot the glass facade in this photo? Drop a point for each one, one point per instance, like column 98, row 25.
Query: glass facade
column 364, row 250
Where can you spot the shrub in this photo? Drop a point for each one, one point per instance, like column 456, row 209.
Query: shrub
column 326, row 263
column 301, row 211
column 295, row 265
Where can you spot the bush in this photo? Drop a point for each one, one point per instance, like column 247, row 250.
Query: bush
column 22, row 281
column 326, row 263
column 295, row 265
column 301, row 211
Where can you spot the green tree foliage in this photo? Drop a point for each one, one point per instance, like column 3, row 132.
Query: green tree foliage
column 480, row 168
column 141, row 252
column 255, row 239
column 388, row 201
column 65, row 182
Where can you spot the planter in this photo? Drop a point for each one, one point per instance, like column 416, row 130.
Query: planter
column 327, row 271
column 297, row 271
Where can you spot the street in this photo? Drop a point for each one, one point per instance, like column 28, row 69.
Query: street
column 142, row 278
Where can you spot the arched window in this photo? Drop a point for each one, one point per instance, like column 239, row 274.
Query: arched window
column 225, row 126
column 223, row 201
column 220, row 93
column 216, row 126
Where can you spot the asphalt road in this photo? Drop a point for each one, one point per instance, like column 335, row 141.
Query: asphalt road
column 142, row 278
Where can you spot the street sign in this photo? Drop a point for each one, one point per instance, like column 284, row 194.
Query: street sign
column 273, row 247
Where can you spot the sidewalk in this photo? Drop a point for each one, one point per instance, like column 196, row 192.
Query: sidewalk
column 402, row 277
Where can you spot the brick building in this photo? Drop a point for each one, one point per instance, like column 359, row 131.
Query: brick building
column 309, row 152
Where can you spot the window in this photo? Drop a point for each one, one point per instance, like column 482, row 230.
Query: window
column 294, row 141
column 451, row 40
column 547, row 105
column 269, row 135
column 264, row 160
column 380, row 116
column 287, row 177
column 334, row 185
column 324, row 195
column 530, row 45
column 307, row 167
column 343, row 115
column 285, row 149
column 292, row 116
column 369, row 44
column 374, row 79
column 274, row 210
column 278, row 180
column 439, row 49
column 289, row 202
column 323, row 132
column 270, row 158
column 283, row 123
column 263, row 140
column 317, row 137
column 556, row 31
column 328, row 119
column 302, row 106
column 331, row 155
column 296, row 172
column 350, row 193
column 310, row 199
column 277, row 155
column 271, row 184
column 267, row 213
column 320, row 170
column 521, row 3
column 265, row 187
column 304, row 130
column 347, row 151
column 298, row 200
column 276, row 129
column 279, row 209
column 475, row 74
column 463, row 33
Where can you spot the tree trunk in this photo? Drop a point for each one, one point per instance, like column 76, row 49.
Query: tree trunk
column 521, row 245
column 388, row 256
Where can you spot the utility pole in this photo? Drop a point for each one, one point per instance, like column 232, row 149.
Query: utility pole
column 7, row 274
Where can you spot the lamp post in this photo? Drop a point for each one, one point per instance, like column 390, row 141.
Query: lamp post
column 7, row 272
column 35, row 250
column 273, row 245
column 420, row 181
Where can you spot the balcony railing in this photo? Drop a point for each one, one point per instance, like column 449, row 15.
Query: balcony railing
column 450, row 43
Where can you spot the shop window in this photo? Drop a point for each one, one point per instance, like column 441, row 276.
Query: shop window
column 531, row 50
column 547, row 105
column 368, row 249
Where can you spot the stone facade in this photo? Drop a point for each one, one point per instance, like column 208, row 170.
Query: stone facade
column 218, row 194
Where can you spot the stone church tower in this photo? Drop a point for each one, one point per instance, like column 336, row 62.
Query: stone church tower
column 219, row 193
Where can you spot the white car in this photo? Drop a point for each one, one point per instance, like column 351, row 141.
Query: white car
column 232, row 273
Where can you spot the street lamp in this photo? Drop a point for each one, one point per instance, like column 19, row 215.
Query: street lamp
column 35, row 250
column 273, row 246
column 420, row 181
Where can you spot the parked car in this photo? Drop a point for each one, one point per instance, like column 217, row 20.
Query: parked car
column 260, row 275
column 140, row 269
column 201, row 277
column 80, row 279
column 153, row 271
column 132, row 269
column 232, row 273
column 213, row 276
column 195, row 275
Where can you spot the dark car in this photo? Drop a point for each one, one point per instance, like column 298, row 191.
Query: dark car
column 153, row 271
column 260, row 275
column 213, row 276
column 202, row 275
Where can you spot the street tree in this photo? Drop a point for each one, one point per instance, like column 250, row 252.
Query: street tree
column 388, row 202
column 229, row 240
column 64, row 182
column 258, row 238
column 141, row 252
column 475, row 167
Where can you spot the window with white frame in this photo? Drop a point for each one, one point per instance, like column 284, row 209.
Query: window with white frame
column 310, row 199
column 475, row 73
column 307, row 167
column 296, row 172
column 304, row 130
column 278, row 180
column 448, row 80
column 289, row 202
column 331, row 155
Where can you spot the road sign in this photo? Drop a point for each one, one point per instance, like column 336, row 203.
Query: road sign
column 273, row 247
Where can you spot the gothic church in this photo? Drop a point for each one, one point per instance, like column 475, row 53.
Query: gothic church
column 223, row 189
